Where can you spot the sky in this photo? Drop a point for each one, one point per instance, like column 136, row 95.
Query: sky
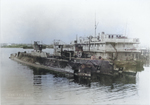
column 25, row 21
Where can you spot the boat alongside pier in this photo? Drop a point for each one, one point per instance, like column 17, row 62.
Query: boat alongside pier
column 75, row 62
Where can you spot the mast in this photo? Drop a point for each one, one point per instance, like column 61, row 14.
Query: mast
column 95, row 25
column 126, row 29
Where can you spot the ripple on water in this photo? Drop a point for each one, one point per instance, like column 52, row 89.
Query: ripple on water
column 45, row 88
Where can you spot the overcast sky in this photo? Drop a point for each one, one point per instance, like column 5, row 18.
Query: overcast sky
column 23, row 21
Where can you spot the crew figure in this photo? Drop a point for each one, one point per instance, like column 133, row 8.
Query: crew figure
column 93, row 57
column 100, row 57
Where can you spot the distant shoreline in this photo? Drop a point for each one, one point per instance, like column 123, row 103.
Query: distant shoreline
column 24, row 47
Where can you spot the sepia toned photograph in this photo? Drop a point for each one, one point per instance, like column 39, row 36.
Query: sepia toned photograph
column 75, row 52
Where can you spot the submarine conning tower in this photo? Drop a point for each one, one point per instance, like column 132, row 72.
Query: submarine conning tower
column 37, row 46
column 38, row 50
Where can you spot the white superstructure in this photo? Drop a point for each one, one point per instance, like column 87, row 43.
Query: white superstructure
column 110, row 46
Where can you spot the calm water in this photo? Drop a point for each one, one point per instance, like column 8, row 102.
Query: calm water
column 24, row 85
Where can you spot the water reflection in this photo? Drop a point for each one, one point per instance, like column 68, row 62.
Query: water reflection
column 51, row 87
column 102, row 80
column 26, row 85
column 116, row 87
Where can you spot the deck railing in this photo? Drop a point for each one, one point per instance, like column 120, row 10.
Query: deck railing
column 112, row 50
column 134, row 40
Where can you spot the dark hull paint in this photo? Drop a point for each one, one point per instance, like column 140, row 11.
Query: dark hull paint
column 80, row 67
